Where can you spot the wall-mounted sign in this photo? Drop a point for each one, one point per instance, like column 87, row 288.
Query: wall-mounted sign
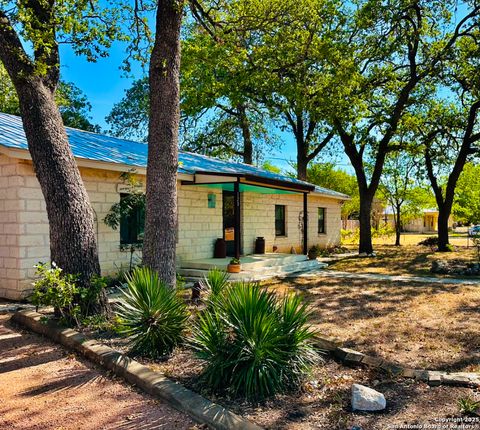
column 212, row 200
column 128, row 189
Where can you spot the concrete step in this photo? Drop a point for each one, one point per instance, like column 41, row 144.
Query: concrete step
column 249, row 262
column 258, row 273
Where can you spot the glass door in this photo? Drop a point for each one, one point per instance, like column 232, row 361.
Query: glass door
column 229, row 221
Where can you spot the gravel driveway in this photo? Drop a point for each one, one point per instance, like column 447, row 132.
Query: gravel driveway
column 43, row 386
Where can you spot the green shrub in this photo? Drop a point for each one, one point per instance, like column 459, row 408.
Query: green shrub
column 71, row 302
column 314, row 252
column 151, row 314
column 57, row 289
column 216, row 281
column 383, row 231
column 468, row 405
column 349, row 236
column 254, row 343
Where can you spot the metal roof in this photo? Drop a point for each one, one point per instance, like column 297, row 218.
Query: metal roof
column 389, row 210
column 99, row 147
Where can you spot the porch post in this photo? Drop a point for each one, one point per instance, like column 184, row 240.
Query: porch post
column 305, row 223
column 236, row 203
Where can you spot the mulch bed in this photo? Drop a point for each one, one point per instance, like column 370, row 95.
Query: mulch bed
column 324, row 399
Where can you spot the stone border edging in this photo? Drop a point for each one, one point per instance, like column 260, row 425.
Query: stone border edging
column 197, row 407
column 431, row 377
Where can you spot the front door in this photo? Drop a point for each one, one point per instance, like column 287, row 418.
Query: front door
column 229, row 221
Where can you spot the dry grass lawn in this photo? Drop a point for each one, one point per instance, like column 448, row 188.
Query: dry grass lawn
column 434, row 327
column 404, row 260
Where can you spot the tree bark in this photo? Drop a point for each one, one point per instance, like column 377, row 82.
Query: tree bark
column 247, row 137
column 73, row 244
column 398, row 226
column 302, row 164
column 159, row 248
column 443, row 236
column 365, row 218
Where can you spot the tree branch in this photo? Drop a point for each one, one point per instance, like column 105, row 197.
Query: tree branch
column 320, row 146
column 12, row 54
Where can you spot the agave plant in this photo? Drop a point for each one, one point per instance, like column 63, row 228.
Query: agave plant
column 254, row 343
column 216, row 281
column 151, row 314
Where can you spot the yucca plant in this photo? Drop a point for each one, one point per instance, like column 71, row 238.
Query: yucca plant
column 254, row 343
column 151, row 314
column 216, row 281
column 469, row 406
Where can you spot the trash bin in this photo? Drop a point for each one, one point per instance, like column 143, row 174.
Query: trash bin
column 260, row 245
column 220, row 250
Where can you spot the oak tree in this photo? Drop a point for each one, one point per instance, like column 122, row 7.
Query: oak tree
column 386, row 54
column 30, row 34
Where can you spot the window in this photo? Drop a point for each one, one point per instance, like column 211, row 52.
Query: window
column 321, row 220
column 279, row 220
column 132, row 225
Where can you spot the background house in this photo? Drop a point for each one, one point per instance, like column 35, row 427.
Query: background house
column 427, row 222
column 213, row 197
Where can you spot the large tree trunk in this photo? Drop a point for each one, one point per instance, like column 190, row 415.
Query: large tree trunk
column 443, row 239
column 398, row 225
column 365, row 219
column 247, row 137
column 73, row 245
column 161, row 206
column 302, row 158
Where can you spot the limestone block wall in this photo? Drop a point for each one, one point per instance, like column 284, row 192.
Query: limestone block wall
column 34, row 242
column 10, row 229
column 258, row 219
column 24, row 230
column 333, row 221
column 198, row 225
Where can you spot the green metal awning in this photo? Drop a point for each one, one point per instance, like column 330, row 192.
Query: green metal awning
column 247, row 188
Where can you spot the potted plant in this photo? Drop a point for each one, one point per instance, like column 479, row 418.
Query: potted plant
column 234, row 266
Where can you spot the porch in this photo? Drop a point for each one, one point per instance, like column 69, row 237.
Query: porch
column 254, row 207
column 255, row 267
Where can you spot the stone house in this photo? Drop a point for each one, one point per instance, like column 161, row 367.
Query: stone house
column 427, row 222
column 216, row 199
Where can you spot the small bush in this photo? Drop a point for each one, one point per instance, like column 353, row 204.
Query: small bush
column 349, row 236
column 254, row 343
column 151, row 315
column 383, row 232
column 57, row 289
column 431, row 241
column 314, row 252
column 216, row 281
column 468, row 406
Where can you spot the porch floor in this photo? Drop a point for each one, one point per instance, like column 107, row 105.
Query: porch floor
column 255, row 267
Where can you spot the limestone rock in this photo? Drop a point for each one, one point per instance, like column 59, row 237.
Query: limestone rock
column 367, row 399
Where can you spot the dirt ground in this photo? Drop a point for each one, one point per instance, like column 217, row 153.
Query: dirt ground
column 42, row 386
column 405, row 260
column 323, row 402
column 417, row 325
